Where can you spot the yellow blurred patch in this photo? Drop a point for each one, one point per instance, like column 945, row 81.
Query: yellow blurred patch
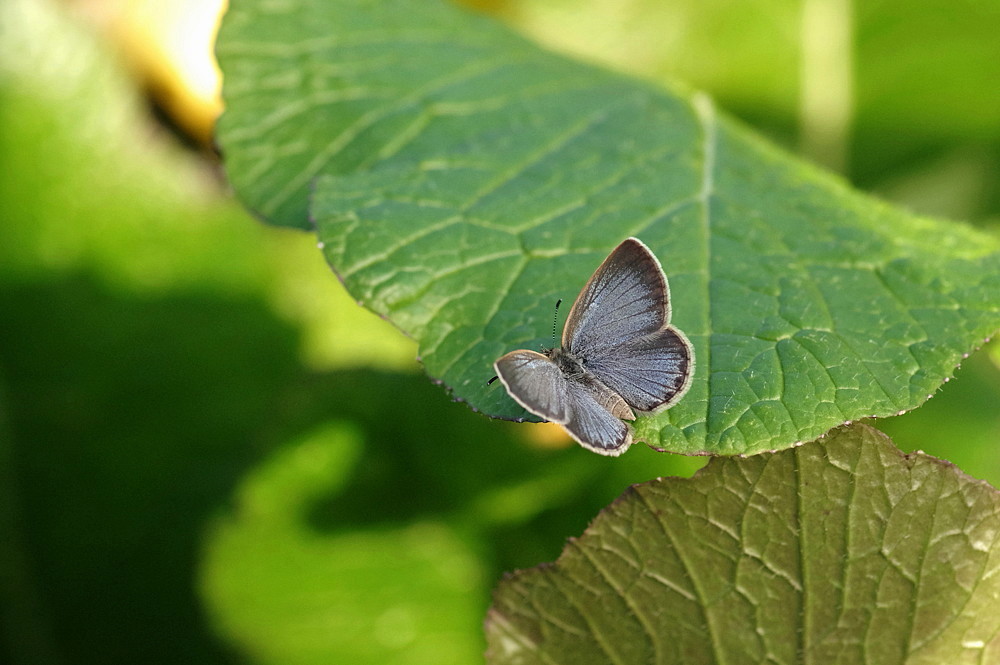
column 170, row 45
column 546, row 435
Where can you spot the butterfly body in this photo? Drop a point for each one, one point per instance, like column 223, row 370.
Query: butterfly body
column 571, row 366
column 619, row 355
column 574, row 369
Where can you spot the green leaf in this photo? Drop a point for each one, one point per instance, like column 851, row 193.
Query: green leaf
column 465, row 179
column 961, row 423
column 843, row 550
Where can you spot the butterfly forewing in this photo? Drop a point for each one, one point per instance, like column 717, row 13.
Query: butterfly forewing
column 536, row 383
column 588, row 409
column 627, row 297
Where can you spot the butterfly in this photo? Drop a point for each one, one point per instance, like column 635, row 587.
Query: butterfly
column 619, row 355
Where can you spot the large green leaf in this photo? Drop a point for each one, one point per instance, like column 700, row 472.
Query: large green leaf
column 465, row 179
column 840, row 551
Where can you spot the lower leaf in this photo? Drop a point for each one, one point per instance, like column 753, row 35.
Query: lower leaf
column 844, row 550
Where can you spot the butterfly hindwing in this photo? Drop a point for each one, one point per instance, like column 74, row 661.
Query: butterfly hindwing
column 591, row 422
column 651, row 372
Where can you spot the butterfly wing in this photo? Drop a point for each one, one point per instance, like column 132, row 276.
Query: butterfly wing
column 588, row 410
column 618, row 327
column 536, row 383
column 591, row 422
column 651, row 372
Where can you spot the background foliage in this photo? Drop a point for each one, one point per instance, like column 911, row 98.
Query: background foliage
column 201, row 434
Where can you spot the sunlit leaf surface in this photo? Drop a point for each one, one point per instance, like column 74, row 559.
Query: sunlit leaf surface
column 464, row 180
column 843, row 550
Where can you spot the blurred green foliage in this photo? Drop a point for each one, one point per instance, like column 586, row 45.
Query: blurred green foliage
column 925, row 128
column 208, row 453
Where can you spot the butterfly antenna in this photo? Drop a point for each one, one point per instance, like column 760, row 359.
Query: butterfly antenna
column 490, row 382
column 555, row 320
